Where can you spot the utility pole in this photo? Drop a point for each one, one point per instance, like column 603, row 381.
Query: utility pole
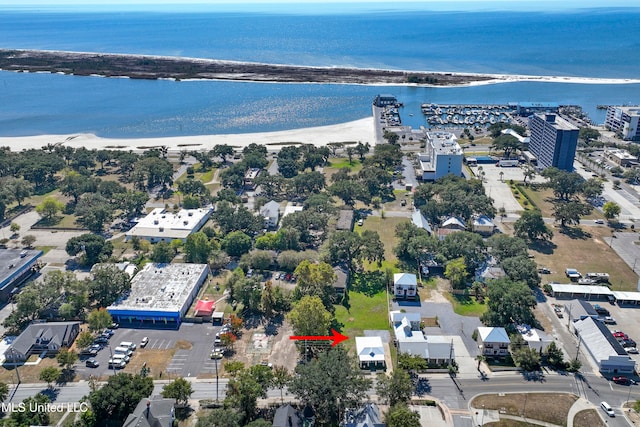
column 216, row 360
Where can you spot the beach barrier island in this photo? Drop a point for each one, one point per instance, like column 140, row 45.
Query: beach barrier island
column 180, row 68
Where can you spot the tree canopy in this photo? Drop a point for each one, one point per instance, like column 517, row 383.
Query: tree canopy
column 115, row 400
column 509, row 302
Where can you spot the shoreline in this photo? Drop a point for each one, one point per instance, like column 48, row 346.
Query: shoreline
column 153, row 67
column 353, row 131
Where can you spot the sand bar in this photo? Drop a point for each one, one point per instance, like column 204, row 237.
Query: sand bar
column 358, row 130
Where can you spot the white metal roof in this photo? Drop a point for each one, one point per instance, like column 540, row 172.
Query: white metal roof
column 582, row 289
column 405, row 279
column 491, row 334
column 370, row 349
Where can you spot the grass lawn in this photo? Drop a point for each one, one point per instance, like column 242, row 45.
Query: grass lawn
column 550, row 407
column 386, row 228
column 543, row 199
column 364, row 313
column 510, row 423
column 588, row 417
column 466, row 306
column 28, row 373
column 343, row 162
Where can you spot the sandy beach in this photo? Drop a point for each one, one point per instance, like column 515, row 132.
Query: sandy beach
column 358, row 130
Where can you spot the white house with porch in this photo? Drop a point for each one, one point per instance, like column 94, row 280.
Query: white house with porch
column 370, row 353
column 405, row 286
column 493, row 341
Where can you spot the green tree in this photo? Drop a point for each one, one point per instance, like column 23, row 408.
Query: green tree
column 84, row 339
column 197, row 248
column 310, row 317
column 507, row 144
column 4, row 391
column 316, row 279
column 179, row 389
column 526, row 358
column 555, row 356
column 38, row 417
column 14, row 227
column 570, row 212
column 93, row 248
column 564, row 184
column 456, row 272
column 588, row 134
column 391, row 137
column 504, row 246
column 509, row 302
column 236, row 243
column 162, row 253
column 94, row 211
column 267, row 299
column 220, row 417
column 396, row 388
column 115, row 400
column 346, row 389
column 28, row 240
column 531, row 226
column 402, row 416
column 611, row 210
column 109, row 282
column 222, row 151
column 244, row 390
column 49, row 208
column 467, row 245
column 521, row 268
column 50, row 375
column 67, row 358
column 353, row 248
column 281, row 378
column 18, row 189
column 99, row 319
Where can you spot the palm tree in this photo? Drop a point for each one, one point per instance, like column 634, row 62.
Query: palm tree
column 281, row 378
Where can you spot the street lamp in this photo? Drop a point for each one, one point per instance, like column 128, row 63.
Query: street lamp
column 216, row 361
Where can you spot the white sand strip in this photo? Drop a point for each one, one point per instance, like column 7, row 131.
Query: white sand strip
column 358, row 130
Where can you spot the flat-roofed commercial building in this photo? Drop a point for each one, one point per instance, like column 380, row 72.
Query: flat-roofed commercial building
column 16, row 266
column 625, row 120
column 160, row 295
column 603, row 348
column 442, row 156
column 163, row 226
column 553, row 141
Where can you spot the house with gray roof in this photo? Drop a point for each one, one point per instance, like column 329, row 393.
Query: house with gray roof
column 420, row 221
column 345, row 220
column 152, row 412
column 271, row 214
column 493, row 341
column 42, row 337
column 367, row 416
column 288, row 416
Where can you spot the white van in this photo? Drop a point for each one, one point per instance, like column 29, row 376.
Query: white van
column 123, row 350
column 607, row 408
column 117, row 364
column 131, row 345
column 120, row 356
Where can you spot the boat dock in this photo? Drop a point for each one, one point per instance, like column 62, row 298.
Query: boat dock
column 466, row 115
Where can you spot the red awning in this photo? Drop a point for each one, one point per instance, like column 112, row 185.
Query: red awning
column 204, row 308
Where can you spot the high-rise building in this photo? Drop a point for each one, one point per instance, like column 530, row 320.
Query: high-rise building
column 553, row 141
column 442, row 156
column 625, row 120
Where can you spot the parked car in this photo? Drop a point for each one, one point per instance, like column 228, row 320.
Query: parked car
column 216, row 354
column 101, row 340
column 97, row 347
column 621, row 380
column 91, row 363
column 360, row 222
column 114, row 326
column 544, row 270
column 599, row 221
column 89, row 352
column 601, row 310
column 620, row 334
column 108, row 332
column 609, row 320
column 631, row 350
column 144, row 342
column 628, row 343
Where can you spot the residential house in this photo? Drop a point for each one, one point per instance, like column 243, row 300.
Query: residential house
column 367, row 416
column 420, row 221
column 451, row 225
column 410, row 339
column 288, row 416
column 405, row 286
column 370, row 353
column 271, row 214
column 342, row 279
column 536, row 339
column 345, row 220
column 493, row 341
column 40, row 338
column 152, row 412
column 483, row 225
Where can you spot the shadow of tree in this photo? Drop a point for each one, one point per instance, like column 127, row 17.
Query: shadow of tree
column 369, row 283
column 575, row 233
column 545, row 247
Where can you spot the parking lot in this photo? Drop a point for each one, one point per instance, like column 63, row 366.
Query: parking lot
column 185, row 352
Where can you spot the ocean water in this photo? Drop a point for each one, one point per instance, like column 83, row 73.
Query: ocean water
column 581, row 42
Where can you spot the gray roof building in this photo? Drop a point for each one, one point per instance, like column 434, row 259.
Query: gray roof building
column 603, row 348
column 420, row 221
column 345, row 220
column 367, row 416
column 271, row 213
column 153, row 412
column 579, row 310
column 42, row 337
column 16, row 266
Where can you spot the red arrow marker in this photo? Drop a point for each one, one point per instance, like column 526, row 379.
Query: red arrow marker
column 335, row 336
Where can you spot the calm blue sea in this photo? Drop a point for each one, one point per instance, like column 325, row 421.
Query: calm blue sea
column 585, row 42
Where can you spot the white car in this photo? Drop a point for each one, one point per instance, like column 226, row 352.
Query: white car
column 599, row 221
column 631, row 350
column 360, row 222
column 144, row 342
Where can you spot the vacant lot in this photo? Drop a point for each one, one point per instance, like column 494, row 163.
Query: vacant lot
column 543, row 198
column 549, row 407
column 365, row 312
column 588, row 418
column 386, row 228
